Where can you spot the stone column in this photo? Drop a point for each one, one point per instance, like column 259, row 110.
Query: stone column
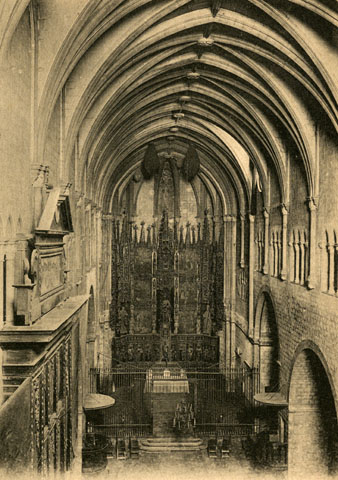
column 284, row 267
column 10, row 292
column 233, row 269
column 296, row 248
column 227, row 313
column 39, row 178
column 227, row 257
column 312, row 279
column 106, row 259
column 331, row 252
column 88, row 235
column 80, row 239
column 2, row 293
column 242, row 218
column 251, row 272
column 233, row 339
column 266, row 216
column 233, row 292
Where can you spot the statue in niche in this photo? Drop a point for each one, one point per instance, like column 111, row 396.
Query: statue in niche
column 139, row 355
column 147, row 353
column 199, row 352
column 207, row 323
column 123, row 321
column 165, row 354
column 190, row 353
column 198, row 324
column 130, row 353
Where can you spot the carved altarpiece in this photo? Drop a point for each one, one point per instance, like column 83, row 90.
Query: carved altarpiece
column 167, row 284
column 167, row 278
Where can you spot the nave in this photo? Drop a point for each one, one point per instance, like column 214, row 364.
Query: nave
column 168, row 228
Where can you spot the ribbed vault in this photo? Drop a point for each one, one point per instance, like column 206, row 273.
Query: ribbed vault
column 241, row 75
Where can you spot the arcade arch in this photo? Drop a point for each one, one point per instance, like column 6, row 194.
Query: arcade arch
column 313, row 429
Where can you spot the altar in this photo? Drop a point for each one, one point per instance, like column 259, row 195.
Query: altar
column 166, row 378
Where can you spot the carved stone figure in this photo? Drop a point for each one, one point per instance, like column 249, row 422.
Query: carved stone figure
column 166, row 316
column 207, row 323
column 123, row 321
column 130, row 352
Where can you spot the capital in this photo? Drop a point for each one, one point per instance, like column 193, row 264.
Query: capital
column 312, row 203
column 284, row 209
column 266, row 212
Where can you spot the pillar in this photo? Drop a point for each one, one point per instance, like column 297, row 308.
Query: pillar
column 227, row 314
column 10, row 293
column 242, row 219
column 233, row 291
column 284, row 267
column 2, row 292
column 266, row 216
column 251, row 272
column 233, row 261
column 312, row 278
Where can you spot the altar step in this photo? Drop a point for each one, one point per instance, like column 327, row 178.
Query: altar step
column 170, row 444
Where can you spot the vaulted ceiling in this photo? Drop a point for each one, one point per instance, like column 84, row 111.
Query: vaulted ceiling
column 246, row 82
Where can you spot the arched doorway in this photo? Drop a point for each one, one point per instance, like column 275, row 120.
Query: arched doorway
column 267, row 339
column 313, row 432
column 266, row 359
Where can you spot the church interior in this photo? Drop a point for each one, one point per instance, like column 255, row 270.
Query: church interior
column 168, row 242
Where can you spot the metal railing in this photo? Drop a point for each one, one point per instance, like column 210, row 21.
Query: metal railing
column 123, row 430
column 222, row 401
column 224, row 430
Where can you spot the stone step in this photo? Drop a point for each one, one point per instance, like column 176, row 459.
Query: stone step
column 13, row 380
column 9, row 389
column 169, row 439
column 167, row 444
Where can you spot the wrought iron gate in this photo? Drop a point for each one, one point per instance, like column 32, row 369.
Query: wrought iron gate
column 222, row 401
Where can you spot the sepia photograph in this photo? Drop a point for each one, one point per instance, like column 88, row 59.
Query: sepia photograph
column 168, row 239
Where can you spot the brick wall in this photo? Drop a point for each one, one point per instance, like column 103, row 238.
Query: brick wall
column 311, row 412
column 301, row 315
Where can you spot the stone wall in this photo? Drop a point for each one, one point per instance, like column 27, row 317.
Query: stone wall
column 301, row 315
